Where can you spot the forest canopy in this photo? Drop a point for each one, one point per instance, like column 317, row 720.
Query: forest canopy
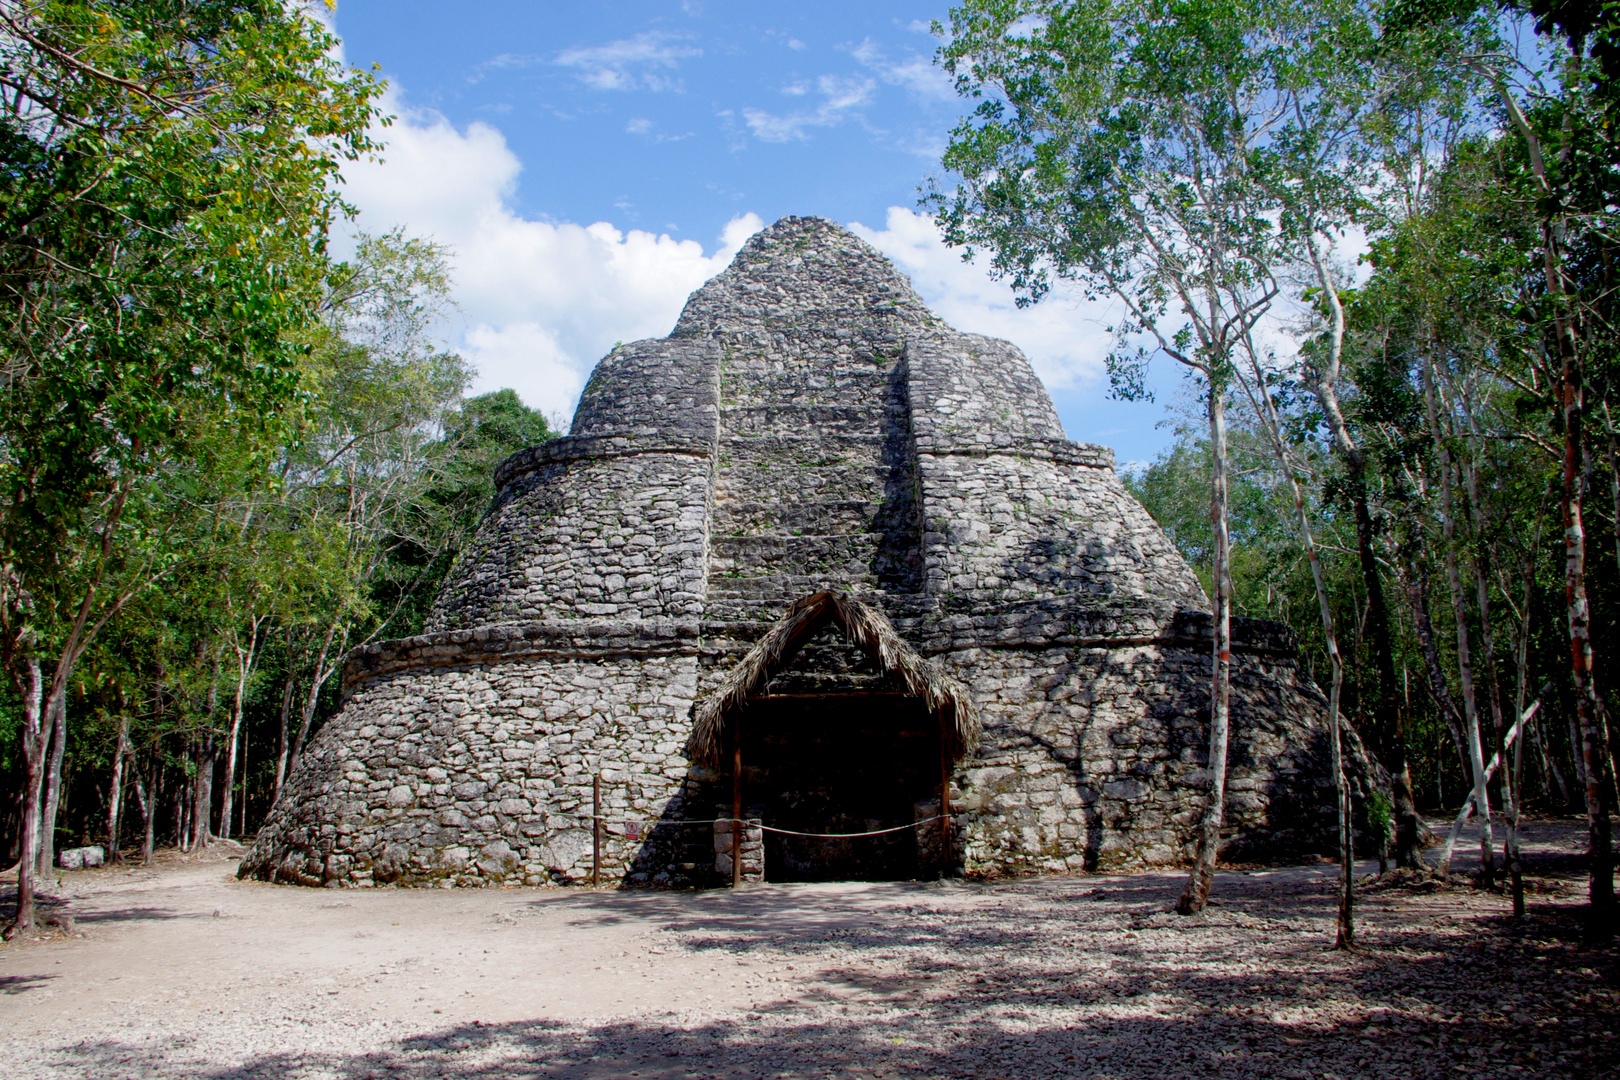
column 226, row 456
column 1379, row 238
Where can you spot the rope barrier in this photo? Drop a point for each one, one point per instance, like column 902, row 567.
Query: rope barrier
column 841, row 835
column 764, row 828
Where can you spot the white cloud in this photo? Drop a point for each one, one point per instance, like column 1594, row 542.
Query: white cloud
column 504, row 60
column 1065, row 336
column 629, row 63
column 540, row 301
column 841, row 97
column 916, row 73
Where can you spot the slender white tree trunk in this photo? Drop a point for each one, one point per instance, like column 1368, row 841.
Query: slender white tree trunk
column 34, row 735
column 56, row 710
column 1196, row 895
column 148, row 810
column 244, row 669
column 1346, row 931
column 115, row 788
column 1459, row 610
column 283, row 746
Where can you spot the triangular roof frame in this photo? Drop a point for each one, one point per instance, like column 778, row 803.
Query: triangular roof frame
column 863, row 625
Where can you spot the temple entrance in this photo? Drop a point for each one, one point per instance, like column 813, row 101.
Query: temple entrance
column 842, row 763
column 859, row 737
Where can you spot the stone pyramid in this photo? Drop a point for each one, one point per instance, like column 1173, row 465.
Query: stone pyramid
column 809, row 425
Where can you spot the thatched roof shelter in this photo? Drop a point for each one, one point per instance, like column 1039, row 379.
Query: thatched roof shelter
column 862, row 625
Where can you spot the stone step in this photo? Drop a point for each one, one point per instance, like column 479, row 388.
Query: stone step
column 788, row 420
column 829, row 557
column 803, row 487
column 790, row 446
column 832, row 517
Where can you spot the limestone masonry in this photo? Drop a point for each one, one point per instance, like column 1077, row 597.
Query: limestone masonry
column 808, row 425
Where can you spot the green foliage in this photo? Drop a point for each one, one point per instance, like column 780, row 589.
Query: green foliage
column 1380, row 816
column 167, row 187
column 1269, row 574
column 1197, row 159
column 1162, row 151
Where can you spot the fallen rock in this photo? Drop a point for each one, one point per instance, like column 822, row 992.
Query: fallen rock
column 79, row 858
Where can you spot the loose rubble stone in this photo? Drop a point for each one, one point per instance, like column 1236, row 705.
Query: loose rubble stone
column 80, row 857
column 809, row 424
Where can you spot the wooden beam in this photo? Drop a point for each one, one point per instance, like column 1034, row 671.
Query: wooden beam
column 736, row 802
column 944, row 797
column 841, row 695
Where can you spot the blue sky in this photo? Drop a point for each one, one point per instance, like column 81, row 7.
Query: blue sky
column 591, row 164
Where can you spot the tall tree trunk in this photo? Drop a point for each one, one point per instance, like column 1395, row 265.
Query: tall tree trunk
column 182, row 800
column 1196, row 895
column 1388, row 712
column 203, row 792
column 244, row 670
column 227, row 798
column 115, row 788
column 312, row 699
column 1260, row 397
column 34, row 734
column 283, row 747
column 1459, row 611
column 242, row 820
column 57, row 706
column 148, row 809
column 1593, row 753
column 1593, row 749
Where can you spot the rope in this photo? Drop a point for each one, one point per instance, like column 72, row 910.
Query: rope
column 841, row 835
column 765, row 828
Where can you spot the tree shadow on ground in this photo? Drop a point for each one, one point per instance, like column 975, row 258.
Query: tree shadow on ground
column 21, row 984
column 1071, row 977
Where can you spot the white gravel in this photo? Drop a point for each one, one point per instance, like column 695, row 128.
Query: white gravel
column 181, row 971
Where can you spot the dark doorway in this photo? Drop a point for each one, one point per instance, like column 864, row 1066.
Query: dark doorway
column 841, row 763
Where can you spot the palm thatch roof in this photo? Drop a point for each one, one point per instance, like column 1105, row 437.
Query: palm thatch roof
column 863, row 625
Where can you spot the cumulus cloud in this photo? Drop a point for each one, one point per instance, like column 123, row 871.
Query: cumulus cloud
column 1065, row 336
column 540, row 301
column 841, row 98
column 630, row 63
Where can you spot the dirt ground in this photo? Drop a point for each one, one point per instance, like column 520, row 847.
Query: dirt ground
column 181, row 971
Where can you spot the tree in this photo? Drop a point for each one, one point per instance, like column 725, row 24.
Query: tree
column 163, row 213
column 1136, row 146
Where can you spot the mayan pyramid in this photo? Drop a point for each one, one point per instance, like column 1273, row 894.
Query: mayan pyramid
column 817, row 534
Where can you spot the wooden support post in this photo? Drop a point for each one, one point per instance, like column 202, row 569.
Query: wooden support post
column 596, row 830
column 736, row 803
column 944, row 798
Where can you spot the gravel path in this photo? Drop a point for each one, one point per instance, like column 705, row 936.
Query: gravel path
column 181, row 971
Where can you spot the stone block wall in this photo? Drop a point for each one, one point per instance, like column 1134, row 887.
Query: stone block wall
column 973, row 393
column 1005, row 528
column 475, row 773
column 599, row 537
column 483, row 774
column 1097, row 758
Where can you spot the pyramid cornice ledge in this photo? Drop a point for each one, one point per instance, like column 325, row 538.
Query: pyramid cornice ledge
column 568, row 448
column 1045, row 626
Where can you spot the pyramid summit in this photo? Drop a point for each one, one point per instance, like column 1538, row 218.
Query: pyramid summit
column 815, row 557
